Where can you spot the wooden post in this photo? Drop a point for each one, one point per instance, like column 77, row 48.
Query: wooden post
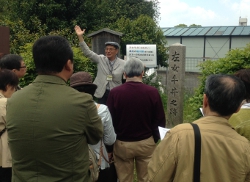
column 175, row 84
column 4, row 40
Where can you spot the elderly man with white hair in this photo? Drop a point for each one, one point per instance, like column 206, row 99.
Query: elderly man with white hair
column 137, row 111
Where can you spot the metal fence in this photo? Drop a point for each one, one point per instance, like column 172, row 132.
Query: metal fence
column 192, row 64
column 192, row 73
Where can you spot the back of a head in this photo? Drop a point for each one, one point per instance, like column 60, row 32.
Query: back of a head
column 225, row 93
column 82, row 81
column 133, row 67
column 51, row 53
column 244, row 75
column 7, row 77
column 10, row 62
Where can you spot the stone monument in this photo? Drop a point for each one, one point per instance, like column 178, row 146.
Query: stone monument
column 175, row 84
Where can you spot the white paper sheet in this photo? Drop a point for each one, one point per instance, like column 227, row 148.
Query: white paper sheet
column 163, row 131
column 201, row 111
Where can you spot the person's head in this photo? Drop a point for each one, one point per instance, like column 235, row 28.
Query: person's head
column 82, row 81
column 133, row 67
column 244, row 75
column 111, row 50
column 8, row 82
column 15, row 63
column 51, row 54
column 224, row 93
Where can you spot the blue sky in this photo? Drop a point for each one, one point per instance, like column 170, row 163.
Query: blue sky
column 203, row 12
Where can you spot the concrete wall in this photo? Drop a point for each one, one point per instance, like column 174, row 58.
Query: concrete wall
column 194, row 46
column 191, row 80
column 240, row 42
column 215, row 47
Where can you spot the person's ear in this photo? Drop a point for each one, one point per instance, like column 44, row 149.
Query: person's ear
column 205, row 101
column 117, row 51
column 14, row 70
column 238, row 108
column 142, row 73
column 125, row 75
column 205, row 105
column 69, row 65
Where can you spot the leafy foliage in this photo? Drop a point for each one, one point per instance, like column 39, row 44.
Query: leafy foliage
column 184, row 25
column 19, row 35
column 81, row 63
column 181, row 25
column 235, row 60
column 154, row 80
column 143, row 30
column 194, row 25
column 30, row 19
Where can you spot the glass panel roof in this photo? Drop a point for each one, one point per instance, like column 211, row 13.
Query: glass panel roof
column 196, row 32
column 181, row 32
column 212, row 31
column 228, row 30
column 220, row 31
column 207, row 31
column 237, row 31
column 246, row 31
column 188, row 32
column 204, row 31
column 175, row 31
column 168, row 31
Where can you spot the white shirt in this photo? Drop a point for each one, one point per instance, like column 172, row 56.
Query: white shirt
column 109, row 135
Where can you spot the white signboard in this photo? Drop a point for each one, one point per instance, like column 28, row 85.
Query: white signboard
column 145, row 52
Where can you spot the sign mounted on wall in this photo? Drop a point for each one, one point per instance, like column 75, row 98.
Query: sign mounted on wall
column 145, row 52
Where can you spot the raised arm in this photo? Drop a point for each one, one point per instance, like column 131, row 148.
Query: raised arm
column 79, row 33
column 85, row 49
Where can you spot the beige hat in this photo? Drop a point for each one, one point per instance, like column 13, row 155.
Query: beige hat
column 81, row 78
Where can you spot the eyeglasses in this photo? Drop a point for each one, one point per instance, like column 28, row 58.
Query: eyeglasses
column 23, row 66
column 109, row 49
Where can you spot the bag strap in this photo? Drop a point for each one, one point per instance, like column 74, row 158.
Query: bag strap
column 197, row 153
column 101, row 154
column 1, row 132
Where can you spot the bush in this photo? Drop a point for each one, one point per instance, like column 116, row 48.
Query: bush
column 235, row 60
column 155, row 81
column 81, row 63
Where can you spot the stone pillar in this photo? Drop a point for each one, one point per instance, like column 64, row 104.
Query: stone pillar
column 175, row 84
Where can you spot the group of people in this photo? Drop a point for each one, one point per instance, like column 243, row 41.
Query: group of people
column 48, row 124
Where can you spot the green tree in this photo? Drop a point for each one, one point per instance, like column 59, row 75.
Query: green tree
column 194, row 25
column 184, row 25
column 81, row 63
column 235, row 60
column 30, row 19
column 181, row 26
column 53, row 14
column 90, row 14
column 143, row 30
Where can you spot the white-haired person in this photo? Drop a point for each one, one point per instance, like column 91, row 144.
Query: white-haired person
column 137, row 111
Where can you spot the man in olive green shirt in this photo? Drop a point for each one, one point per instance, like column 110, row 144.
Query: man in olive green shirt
column 49, row 123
